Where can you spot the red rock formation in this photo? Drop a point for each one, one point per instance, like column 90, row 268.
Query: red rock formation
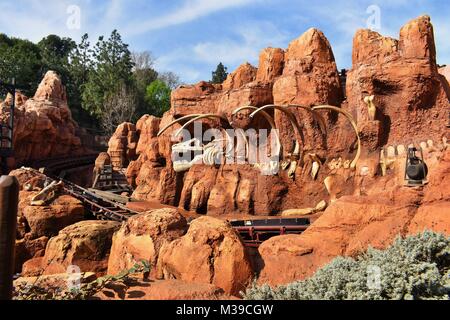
column 122, row 146
column 353, row 223
column 271, row 64
column 86, row 244
column 304, row 74
column 43, row 125
column 141, row 238
column 211, row 252
column 49, row 220
column 411, row 96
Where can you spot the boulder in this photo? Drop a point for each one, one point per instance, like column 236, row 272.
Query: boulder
column 86, row 244
column 47, row 221
column 27, row 248
column 211, row 252
column 141, row 238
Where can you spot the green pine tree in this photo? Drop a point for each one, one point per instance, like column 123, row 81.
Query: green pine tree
column 220, row 75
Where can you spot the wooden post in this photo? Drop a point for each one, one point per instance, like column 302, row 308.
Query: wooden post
column 9, row 198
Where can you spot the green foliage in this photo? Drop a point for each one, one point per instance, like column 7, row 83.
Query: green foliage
column 20, row 59
column 220, row 75
column 416, row 267
column 86, row 290
column 93, row 76
column 113, row 68
column 158, row 97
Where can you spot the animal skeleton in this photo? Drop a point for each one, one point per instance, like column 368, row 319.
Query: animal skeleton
column 213, row 152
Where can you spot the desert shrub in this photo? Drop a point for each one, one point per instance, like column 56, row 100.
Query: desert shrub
column 416, row 267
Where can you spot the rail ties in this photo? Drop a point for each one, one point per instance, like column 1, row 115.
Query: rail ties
column 252, row 232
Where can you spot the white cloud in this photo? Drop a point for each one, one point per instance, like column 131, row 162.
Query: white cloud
column 191, row 10
column 252, row 37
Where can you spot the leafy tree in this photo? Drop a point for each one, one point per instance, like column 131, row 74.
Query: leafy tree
column 158, row 97
column 55, row 53
column 20, row 59
column 220, row 75
column 113, row 68
column 80, row 65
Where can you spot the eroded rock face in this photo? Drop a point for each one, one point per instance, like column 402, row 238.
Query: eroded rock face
column 211, row 252
column 353, row 223
column 271, row 65
column 141, row 238
column 244, row 74
column 122, row 145
column 85, row 244
column 43, row 125
column 409, row 98
column 410, row 95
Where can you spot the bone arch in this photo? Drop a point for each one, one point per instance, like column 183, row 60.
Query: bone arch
column 296, row 127
column 214, row 116
column 269, row 120
column 352, row 122
column 177, row 121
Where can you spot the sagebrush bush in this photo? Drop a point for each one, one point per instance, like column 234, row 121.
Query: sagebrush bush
column 416, row 267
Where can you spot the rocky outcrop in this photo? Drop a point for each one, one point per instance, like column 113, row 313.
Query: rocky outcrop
column 43, row 125
column 47, row 221
column 122, row 146
column 211, row 252
column 85, row 244
column 410, row 101
column 410, row 95
column 353, row 223
column 445, row 71
column 142, row 237
column 271, row 65
column 244, row 74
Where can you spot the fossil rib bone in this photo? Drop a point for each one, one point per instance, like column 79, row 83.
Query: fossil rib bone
column 296, row 127
column 353, row 123
column 230, row 144
column 269, row 120
column 177, row 121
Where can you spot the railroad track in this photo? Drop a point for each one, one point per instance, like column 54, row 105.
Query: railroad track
column 252, row 232
column 100, row 208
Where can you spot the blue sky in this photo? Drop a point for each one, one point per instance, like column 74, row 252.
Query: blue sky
column 190, row 37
